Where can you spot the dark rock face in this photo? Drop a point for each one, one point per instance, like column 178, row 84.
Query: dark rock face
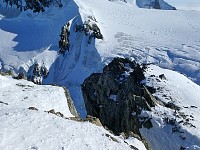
column 35, row 5
column 154, row 4
column 64, row 39
column 37, row 73
column 70, row 103
column 90, row 29
column 117, row 97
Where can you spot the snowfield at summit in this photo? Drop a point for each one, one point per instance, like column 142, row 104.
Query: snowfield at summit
column 163, row 35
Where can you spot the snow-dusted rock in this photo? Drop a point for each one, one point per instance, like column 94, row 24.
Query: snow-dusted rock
column 177, row 125
column 168, row 119
column 154, row 4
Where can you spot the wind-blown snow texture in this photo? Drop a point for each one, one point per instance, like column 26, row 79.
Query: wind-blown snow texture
column 177, row 128
column 169, row 39
column 185, row 4
column 23, row 128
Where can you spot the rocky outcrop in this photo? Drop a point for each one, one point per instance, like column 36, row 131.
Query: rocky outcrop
column 154, row 4
column 117, row 97
column 37, row 73
column 90, row 29
column 34, row 5
column 64, row 39
column 70, row 103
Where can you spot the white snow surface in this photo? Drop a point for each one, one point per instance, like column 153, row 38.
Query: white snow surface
column 23, row 94
column 185, row 4
column 22, row 128
column 182, row 92
column 167, row 38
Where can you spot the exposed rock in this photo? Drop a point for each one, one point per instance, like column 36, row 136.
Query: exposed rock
column 112, row 138
column 64, row 39
column 34, row 5
column 32, row 108
column 52, row 111
column 154, row 4
column 171, row 105
column 70, row 103
column 37, row 73
column 6, row 72
column 3, row 103
column 162, row 76
column 147, row 124
column 93, row 120
column 20, row 76
column 90, row 29
column 117, row 97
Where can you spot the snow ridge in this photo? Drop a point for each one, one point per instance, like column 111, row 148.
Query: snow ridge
column 28, row 121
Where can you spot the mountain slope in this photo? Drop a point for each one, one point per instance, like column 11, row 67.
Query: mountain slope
column 169, row 39
column 28, row 122
column 139, row 34
column 178, row 122
column 169, row 42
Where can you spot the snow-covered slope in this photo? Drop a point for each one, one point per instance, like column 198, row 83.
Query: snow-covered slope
column 128, row 31
column 178, row 125
column 145, row 36
column 169, row 39
column 26, row 123
column 185, row 4
column 23, row 94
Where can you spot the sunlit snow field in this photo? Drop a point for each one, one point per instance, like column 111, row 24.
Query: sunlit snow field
column 185, row 4
column 169, row 39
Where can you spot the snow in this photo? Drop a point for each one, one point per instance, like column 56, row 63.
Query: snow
column 182, row 92
column 134, row 141
column 166, row 38
column 185, row 4
column 20, row 93
column 136, row 33
column 113, row 97
column 23, row 128
column 127, row 72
